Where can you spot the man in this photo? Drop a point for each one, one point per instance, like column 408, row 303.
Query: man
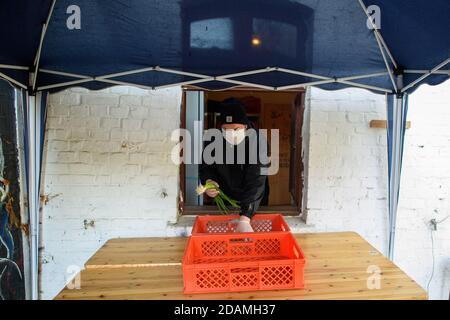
column 243, row 181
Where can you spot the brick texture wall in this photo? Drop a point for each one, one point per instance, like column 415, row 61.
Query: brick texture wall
column 107, row 173
column 347, row 180
column 347, row 164
column 425, row 192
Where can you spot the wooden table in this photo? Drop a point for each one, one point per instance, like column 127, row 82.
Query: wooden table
column 150, row 268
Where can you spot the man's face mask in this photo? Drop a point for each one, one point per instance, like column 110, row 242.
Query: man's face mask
column 234, row 137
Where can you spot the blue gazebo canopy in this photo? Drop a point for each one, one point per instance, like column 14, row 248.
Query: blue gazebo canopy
column 388, row 47
column 96, row 44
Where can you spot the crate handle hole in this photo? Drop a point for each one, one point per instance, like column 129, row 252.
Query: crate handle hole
column 241, row 240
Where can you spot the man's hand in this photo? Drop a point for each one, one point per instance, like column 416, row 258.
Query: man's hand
column 244, row 225
column 212, row 192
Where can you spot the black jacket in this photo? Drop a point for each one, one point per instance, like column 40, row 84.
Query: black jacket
column 241, row 182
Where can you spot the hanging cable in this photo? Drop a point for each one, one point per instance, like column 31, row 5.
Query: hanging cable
column 433, row 227
column 432, row 264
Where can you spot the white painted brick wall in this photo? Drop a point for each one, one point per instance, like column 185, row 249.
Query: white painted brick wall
column 425, row 192
column 108, row 162
column 347, row 177
column 347, row 164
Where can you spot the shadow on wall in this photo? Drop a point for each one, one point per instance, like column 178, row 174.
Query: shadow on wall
column 11, row 256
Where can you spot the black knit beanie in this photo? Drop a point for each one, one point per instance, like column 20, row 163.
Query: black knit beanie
column 233, row 111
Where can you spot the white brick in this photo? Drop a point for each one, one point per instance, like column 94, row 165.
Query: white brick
column 98, row 110
column 354, row 117
column 79, row 111
column 57, row 110
column 99, row 134
column 119, row 158
column 66, row 157
column 336, row 116
column 100, row 158
column 107, row 123
column 58, row 145
column 93, row 99
column 130, row 100
column 119, row 112
column 137, row 136
column 57, row 134
column 118, row 134
column 139, row 112
column 72, row 99
column 78, row 145
column 120, row 89
column 138, row 158
column 338, row 139
column 138, row 91
column 75, row 179
column 131, row 124
column 79, row 133
column 85, row 157
column 319, row 116
column 81, row 168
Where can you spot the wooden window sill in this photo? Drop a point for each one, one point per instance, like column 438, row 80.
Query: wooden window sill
column 212, row 210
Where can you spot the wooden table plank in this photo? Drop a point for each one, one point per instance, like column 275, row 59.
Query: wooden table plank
column 156, row 251
column 138, row 252
column 150, row 268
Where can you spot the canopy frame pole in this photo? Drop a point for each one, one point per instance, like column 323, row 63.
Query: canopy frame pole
column 14, row 67
column 202, row 78
column 393, row 183
column 183, row 73
column 157, row 68
column 247, row 84
column 306, row 84
column 364, row 86
column 245, row 73
column 300, row 73
column 152, row 88
column 340, row 80
column 426, row 75
column 364, row 76
column 66, row 74
column 377, row 33
column 122, row 83
column 396, row 162
column 64, row 84
column 184, row 83
column 33, row 188
column 223, row 78
column 349, row 83
column 8, row 78
column 391, row 74
column 415, row 71
column 125, row 73
column 41, row 42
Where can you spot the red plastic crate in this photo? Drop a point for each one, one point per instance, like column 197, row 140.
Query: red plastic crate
column 224, row 224
column 234, row 262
